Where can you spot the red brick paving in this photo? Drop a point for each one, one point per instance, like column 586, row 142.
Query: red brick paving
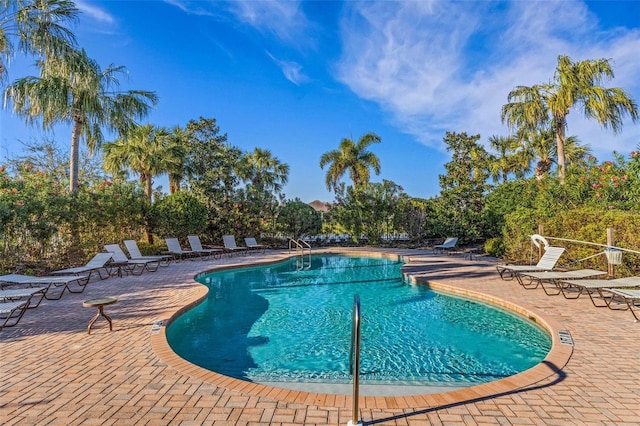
column 53, row 373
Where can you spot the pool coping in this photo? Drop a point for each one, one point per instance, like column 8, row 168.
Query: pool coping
column 548, row 370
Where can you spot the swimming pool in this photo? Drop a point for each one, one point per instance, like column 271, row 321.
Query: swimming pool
column 276, row 323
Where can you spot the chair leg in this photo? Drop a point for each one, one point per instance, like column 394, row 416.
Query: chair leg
column 15, row 312
column 152, row 266
column 82, row 283
column 631, row 304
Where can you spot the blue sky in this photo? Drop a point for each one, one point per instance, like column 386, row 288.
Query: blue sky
column 296, row 77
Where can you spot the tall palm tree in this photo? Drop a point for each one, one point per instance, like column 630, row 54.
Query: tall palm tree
column 147, row 151
column 574, row 84
column 354, row 158
column 35, row 27
column 264, row 171
column 73, row 89
column 510, row 158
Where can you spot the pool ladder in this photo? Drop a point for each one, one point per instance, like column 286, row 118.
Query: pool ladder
column 354, row 361
column 300, row 247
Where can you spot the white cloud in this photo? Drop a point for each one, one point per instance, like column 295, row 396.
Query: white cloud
column 448, row 66
column 291, row 70
column 192, row 7
column 284, row 18
column 179, row 4
column 94, row 12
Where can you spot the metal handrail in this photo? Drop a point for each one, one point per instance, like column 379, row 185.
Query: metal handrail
column 354, row 359
column 300, row 246
column 304, row 243
column 294, row 243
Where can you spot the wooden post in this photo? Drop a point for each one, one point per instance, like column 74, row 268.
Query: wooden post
column 540, row 232
column 611, row 269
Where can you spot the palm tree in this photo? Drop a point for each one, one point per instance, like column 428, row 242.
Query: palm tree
column 36, row 26
column 147, row 151
column 178, row 169
column 264, row 171
column 73, row 89
column 354, row 158
column 510, row 157
column 264, row 176
column 575, row 83
column 540, row 146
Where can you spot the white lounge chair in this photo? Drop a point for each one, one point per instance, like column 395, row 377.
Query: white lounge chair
column 134, row 253
column 176, row 250
column 131, row 266
column 555, row 278
column 546, row 263
column 230, row 245
column 13, row 280
column 596, row 287
column 252, row 244
column 196, row 246
column 98, row 263
column 448, row 245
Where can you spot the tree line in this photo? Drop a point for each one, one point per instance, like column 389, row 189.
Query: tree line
column 72, row 207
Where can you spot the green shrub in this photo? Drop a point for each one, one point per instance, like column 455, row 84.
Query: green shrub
column 45, row 227
column 568, row 229
column 179, row 215
column 151, row 249
column 299, row 219
column 494, row 247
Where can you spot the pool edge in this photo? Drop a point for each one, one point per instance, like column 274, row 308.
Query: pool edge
column 548, row 370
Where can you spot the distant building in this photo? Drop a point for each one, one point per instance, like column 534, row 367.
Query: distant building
column 320, row 206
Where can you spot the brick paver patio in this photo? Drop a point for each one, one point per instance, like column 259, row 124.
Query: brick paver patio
column 53, row 373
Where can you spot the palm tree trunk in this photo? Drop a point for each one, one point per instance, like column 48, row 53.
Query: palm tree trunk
column 147, row 232
column 542, row 168
column 75, row 155
column 148, row 189
column 174, row 185
column 148, row 192
column 560, row 136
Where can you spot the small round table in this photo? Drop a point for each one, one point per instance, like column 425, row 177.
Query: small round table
column 100, row 304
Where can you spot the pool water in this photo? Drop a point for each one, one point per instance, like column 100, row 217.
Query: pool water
column 278, row 323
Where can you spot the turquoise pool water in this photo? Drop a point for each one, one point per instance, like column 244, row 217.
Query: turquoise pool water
column 277, row 323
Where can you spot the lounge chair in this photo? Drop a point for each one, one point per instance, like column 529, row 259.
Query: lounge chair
column 196, row 246
column 546, row 263
column 98, row 263
column 178, row 254
column 12, row 312
column 252, row 244
column 25, row 293
column 598, row 287
column 630, row 296
column 448, row 245
column 230, row 245
column 13, row 280
column 131, row 266
column 555, row 278
column 134, row 253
